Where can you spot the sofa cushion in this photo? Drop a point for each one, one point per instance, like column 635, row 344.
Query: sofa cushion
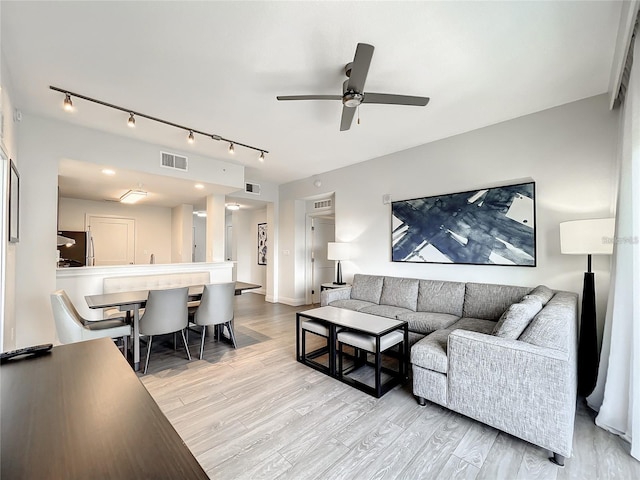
column 516, row 318
column 427, row 322
column 488, row 301
column 367, row 288
column 554, row 324
column 479, row 325
column 431, row 351
column 388, row 311
column 356, row 305
column 441, row 297
column 400, row 292
column 541, row 293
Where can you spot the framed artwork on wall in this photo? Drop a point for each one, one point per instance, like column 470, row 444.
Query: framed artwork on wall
column 14, row 203
column 262, row 244
column 491, row 226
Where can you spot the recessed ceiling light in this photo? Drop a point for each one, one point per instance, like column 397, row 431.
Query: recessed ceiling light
column 108, row 171
column 199, row 186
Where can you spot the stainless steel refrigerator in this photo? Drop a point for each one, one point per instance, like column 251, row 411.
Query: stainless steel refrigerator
column 79, row 254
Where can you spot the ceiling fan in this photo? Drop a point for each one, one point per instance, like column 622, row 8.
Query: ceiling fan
column 353, row 93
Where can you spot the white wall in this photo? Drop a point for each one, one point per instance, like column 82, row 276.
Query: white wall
column 569, row 151
column 181, row 234
column 153, row 224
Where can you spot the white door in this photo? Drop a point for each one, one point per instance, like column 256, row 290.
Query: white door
column 322, row 270
column 113, row 239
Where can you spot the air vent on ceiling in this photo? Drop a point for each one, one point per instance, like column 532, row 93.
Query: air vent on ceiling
column 171, row 160
column 322, row 204
column 252, row 188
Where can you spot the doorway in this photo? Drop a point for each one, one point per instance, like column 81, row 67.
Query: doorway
column 321, row 230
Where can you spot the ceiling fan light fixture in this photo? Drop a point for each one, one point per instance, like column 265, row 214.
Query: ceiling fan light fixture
column 352, row 99
column 132, row 121
column 67, row 104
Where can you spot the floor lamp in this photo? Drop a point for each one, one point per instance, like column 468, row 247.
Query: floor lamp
column 587, row 237
column 338, row 251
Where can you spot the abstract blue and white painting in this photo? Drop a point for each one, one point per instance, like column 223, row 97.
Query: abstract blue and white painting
column 491, row 226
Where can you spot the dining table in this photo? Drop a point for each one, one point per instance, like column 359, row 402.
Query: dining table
column 131, row 302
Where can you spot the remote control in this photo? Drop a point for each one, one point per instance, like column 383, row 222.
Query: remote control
column 34, row 350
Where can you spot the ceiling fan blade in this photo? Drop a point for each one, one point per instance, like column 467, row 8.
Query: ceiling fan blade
column 347, row 118
column 309, row 97
column 391, row 99
column 360, row 67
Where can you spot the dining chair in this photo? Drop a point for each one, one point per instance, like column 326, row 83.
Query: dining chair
column 165, row 312
column 72, row 327
column 216, row 309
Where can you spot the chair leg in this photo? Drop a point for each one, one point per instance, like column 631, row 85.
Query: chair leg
column 186, row 347
column 146, row 363
column 204, row 331
column 125, row 346
column 232, row 335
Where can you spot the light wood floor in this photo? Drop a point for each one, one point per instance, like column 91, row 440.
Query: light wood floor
column 256, row 413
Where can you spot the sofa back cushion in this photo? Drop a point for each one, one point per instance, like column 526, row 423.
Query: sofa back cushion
column 441, row 297
column 516, row 318
column 400, row 292
column 488, row 301
column 556, row 325
column 367, row 288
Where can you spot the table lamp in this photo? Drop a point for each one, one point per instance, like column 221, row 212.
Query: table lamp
column 338, row 251
column 587, row 237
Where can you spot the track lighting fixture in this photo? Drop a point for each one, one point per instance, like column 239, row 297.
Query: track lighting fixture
column 68, row 105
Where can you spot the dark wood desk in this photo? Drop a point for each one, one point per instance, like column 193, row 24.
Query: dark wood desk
column 80, row 412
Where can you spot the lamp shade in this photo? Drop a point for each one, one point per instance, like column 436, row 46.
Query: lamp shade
column 587, row 237
column 337, row 251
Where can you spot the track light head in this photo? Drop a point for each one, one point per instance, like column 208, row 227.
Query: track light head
column 132, row 121
column 68, row 104
column 261, row 157
column 191, row 138
column 232, row 149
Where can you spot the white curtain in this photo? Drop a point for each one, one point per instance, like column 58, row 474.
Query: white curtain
column 617, row 392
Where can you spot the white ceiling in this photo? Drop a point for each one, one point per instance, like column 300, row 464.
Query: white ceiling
column 218, row 66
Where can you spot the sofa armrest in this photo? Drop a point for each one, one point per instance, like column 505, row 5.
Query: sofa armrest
column 523, row 389
column 333, row 294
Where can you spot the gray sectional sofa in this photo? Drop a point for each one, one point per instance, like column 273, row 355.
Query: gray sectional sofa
column 501, row 354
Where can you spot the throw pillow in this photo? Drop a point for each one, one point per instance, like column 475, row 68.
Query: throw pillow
column 516, row 318
column 542, row 293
